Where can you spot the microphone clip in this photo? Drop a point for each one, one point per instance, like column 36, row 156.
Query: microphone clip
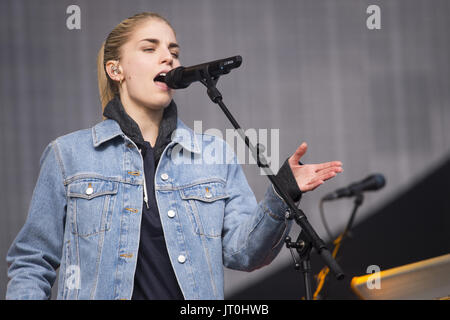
column 210, row 84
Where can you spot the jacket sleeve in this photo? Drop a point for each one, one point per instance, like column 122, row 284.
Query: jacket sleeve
column 35, row 254
column 253, row 233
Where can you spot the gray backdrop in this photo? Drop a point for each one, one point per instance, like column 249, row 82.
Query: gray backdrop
column 378, row 100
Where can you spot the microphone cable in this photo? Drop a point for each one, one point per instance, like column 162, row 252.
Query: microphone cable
column 324, row 221
column 322, row 275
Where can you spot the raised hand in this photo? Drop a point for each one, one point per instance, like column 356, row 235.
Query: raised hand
column 310, row 176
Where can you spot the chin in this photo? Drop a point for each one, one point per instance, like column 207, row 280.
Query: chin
column 158, row 104
column 151, row 98
column 154, row 101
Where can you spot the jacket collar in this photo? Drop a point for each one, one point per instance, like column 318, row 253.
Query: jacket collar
column 109, row 129
column 105, row 131
column 187, row 138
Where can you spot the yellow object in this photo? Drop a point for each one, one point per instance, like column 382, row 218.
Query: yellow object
column 423, row 280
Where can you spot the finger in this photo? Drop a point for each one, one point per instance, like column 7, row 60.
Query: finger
column 322, row 177
column 328, row 170
column 314, row 181
column 327, row 176
column 312, row 185
column 326, row 165
column 301, row 150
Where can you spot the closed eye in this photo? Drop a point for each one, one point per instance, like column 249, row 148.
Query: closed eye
column 174, row 54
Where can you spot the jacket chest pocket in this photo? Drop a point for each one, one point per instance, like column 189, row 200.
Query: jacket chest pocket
column 205, row 206
column 91, row 203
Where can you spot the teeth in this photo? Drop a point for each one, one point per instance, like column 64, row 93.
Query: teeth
column 160, row 77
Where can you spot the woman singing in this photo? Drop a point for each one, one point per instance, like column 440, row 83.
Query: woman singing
column 120, row 218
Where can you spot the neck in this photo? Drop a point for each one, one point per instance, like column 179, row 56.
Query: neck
column 147, row 119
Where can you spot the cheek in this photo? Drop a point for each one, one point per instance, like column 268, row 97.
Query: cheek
column 139, row 79
column 139, row 70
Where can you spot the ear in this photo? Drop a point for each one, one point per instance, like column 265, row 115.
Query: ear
column 114, row 70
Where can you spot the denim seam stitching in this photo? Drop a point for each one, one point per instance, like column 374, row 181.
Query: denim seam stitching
column 100, row 243
column 176, row 188
column 208, row 260
column 246, row 240
column 100, row 177
column 59, row 159
column 201, row 229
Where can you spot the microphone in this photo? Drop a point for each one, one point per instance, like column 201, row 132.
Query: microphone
column 371, row 183
column 182, row 77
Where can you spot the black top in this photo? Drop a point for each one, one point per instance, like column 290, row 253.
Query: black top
column 154, row 277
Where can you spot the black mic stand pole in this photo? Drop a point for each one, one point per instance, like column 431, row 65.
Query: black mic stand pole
column 357, row 202
column 302, row 246
column 295, row 213
column 359, row 198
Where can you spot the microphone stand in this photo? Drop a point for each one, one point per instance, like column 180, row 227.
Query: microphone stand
column 311, row 238
column 303, row 247
column 359, row 199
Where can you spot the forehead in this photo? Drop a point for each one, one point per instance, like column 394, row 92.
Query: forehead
column 155, row 29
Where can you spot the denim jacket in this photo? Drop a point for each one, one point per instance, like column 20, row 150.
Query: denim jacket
column 85, row 216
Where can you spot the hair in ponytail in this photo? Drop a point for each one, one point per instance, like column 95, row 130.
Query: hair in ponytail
column 110, row 50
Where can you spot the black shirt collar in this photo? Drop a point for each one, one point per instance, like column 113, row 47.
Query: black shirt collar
column 114, row 110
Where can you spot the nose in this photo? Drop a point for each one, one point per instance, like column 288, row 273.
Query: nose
column 166, row 57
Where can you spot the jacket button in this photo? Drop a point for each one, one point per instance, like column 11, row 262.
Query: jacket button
column 89, row 190
column 171, row 213
column 164, row 176
column 181, row 258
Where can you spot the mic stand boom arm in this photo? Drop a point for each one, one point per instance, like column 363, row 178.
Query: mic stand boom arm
column 293, row 213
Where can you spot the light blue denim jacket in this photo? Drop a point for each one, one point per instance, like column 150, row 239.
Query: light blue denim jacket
column 85, row 217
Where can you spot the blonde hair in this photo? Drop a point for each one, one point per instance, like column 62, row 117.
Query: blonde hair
column 110, row 50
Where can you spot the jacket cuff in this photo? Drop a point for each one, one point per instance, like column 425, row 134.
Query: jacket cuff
column 287, row 179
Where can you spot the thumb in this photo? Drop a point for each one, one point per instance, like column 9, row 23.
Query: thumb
column 300, row 152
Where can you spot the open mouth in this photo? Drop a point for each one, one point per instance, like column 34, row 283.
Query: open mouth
column 159, row 81
column 160, row 77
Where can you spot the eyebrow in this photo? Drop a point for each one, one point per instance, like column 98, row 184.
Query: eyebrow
column 157, row 42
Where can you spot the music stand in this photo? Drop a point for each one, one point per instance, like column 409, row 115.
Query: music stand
column 424, row 280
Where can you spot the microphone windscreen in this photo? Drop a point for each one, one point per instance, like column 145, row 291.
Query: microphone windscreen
column 377, row 182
